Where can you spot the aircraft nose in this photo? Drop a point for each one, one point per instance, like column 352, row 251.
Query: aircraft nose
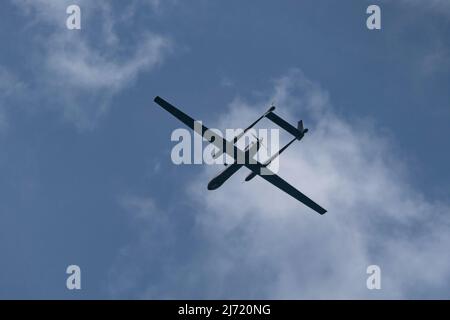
column 212, row 185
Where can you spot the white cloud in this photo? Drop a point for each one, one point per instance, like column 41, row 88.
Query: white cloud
column 89, row 69
column 257, row 242
column 84, row 69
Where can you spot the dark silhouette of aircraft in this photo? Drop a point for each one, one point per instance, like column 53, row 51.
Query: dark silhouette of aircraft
column 245, row 157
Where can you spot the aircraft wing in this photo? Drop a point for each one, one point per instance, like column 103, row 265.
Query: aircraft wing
column 219, row 142
column 283, row 124
column 286, row 187
column 180, row 115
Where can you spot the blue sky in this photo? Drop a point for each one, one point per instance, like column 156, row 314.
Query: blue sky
column 86, row 174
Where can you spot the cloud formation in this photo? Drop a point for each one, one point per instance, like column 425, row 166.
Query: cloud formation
column 80, row 71
column 249, row 240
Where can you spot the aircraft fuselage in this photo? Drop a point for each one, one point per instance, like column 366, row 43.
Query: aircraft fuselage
column 226, row 173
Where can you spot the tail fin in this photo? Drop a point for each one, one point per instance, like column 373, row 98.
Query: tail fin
column 300, row 126
column 301, row 129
